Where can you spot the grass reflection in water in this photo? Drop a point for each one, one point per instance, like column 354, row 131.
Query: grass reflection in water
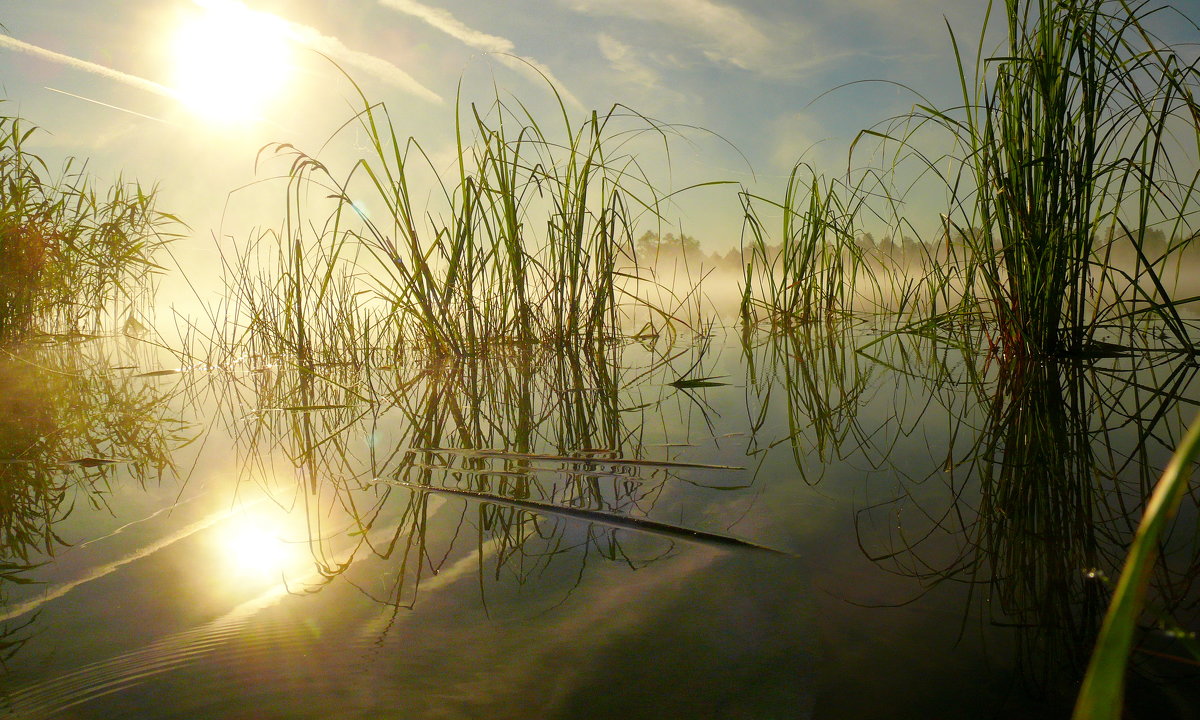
column 70, row 427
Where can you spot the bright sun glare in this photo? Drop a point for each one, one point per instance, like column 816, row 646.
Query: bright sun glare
column 254, row 549
column 230, row 62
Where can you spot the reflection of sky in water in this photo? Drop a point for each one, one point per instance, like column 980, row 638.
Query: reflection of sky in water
column 253, row 596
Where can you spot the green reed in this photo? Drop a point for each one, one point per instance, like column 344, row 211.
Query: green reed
column 529, row 241
column 71, row 256
column 810, row 272
column 1103, row 690
column 1074, row 139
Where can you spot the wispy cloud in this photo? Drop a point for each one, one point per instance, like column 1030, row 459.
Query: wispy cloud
column 503, row 48
column 726, row 34
column 625, row 63
column 302, row 34
column 444, row 21
column 355, row 59
column 633, row 70
column 90, row 67
column 336, row 50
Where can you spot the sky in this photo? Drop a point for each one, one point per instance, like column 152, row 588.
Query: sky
column 122, row 81
column 184, row 93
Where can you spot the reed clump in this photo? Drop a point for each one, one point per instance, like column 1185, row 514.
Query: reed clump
column 810, row 272
column 1080, row 135
column 72, row 256
column 1075, row 144
column 528, row 241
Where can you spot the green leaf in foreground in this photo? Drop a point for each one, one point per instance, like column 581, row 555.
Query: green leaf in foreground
column 1103, row 691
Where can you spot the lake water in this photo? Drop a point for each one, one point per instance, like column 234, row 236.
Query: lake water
column 817, row 525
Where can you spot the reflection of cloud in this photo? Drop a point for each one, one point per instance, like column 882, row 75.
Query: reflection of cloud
column 58, row 591
column 503, row 48
column 90, row 67
column 352, row 59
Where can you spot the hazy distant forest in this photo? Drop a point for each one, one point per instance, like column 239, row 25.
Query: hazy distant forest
column 668, row 249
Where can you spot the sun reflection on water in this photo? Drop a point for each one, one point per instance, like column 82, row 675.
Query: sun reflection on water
column 254, row 546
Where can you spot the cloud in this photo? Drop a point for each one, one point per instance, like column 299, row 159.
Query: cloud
column 446, row 22
column 355, row 59
column 336, row 50
column 726, row 34
column 503, row 48
column 140, row 83
column 776, row 43
column 625, row 63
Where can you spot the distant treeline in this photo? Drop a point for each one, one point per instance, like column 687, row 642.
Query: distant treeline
column 654, row 249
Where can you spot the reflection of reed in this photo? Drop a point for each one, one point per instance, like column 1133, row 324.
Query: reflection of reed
column 823, row 380
column 1040, row 519
column 68, row 429
column 1043, row 505
column 540, row 427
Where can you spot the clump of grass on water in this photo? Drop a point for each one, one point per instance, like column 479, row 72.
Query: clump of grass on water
column 810, row 273
column 71, row 256
column 1077, row 136
column 529, row 243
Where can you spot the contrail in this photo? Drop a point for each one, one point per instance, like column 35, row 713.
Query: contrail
column 502, row 48
column 132, row 80
column 104, row 104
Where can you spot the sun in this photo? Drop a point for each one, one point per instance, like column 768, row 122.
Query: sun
column 230, row 62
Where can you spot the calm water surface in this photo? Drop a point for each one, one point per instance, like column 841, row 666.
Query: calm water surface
column 903, row 530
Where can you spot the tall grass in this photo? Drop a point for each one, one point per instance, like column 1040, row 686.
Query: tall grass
column 295, row 300
column 72, row 256
column 529, row 241
column 1082, row 132
column 1074, row 141
column 811, row 271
